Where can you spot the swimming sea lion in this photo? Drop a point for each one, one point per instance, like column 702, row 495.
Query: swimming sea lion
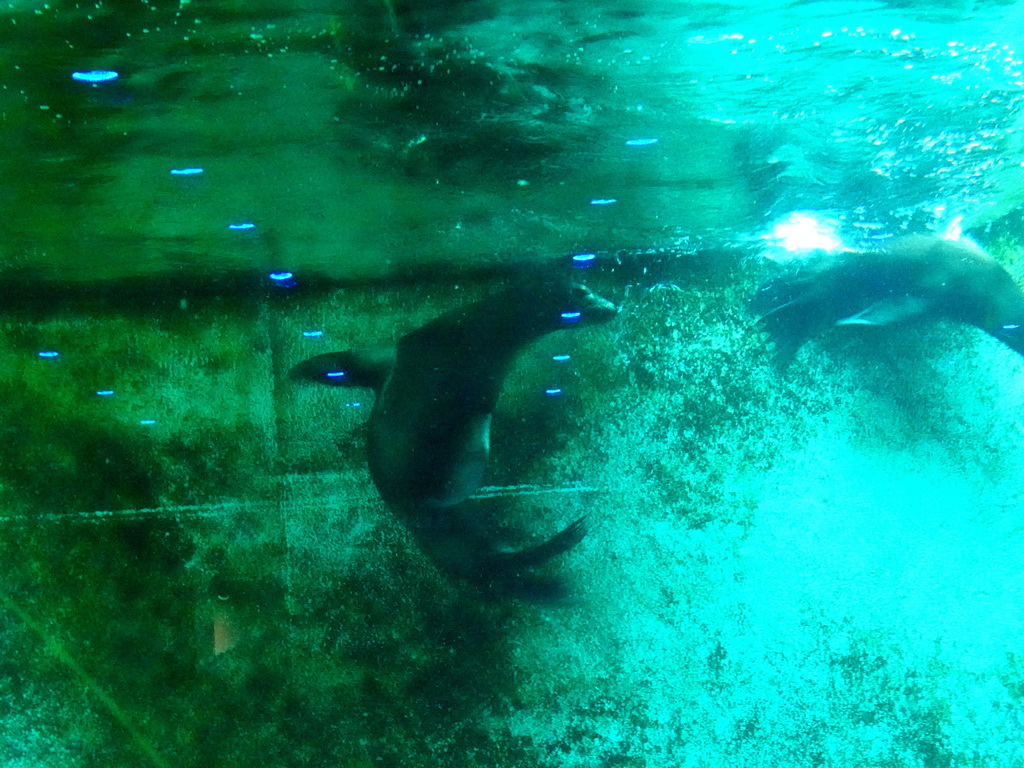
column 911, row 277
column 429, row 429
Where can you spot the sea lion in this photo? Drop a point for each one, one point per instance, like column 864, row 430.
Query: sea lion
column 911, row 277
column 429, row 429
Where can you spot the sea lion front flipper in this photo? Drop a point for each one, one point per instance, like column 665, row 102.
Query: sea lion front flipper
column 467, row 471
column 887, row 311
column 365, row 367
column 788, row 326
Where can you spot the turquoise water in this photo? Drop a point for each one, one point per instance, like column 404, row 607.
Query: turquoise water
column 816, row 566
column 487, row 133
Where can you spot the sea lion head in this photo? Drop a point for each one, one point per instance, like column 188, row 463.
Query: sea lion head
column 541, row 307
column 367, row 367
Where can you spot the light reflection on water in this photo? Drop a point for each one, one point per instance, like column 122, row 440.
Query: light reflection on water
column 461, row 143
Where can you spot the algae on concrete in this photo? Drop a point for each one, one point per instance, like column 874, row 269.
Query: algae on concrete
column 802, row 568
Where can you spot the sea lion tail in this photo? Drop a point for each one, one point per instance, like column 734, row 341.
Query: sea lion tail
column 781, row 313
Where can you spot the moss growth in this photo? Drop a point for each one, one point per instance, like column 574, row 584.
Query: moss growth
column 245, row 596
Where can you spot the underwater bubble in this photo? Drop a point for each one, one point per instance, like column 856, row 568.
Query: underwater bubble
column 641, row 142
column 583, row 259
column 571, row 317
column 147, row 422
column 554, row 391
column 280, row 276
column 104, row 392
column 1011, row 327
column 186, row 171
column 312, row 334
column 95, row 76
column 335, row 374
column 560, row 358
column 243, row 225
column 603, row 201
column 353, row 405
column 48, row 353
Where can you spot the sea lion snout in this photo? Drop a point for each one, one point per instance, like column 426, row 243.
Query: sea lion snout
column 332, row 369
column 352, row 368
column 584, row 307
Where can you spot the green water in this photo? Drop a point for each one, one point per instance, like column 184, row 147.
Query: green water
column 816, row 567
column 359, row 143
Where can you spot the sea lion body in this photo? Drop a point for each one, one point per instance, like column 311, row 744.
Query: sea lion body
column 429, row 429
column 912, row 277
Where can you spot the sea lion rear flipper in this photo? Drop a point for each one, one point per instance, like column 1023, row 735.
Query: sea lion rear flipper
column 537, row 555
column 783, row 316
column 510, row 574
column 367, row 367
